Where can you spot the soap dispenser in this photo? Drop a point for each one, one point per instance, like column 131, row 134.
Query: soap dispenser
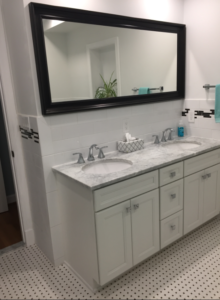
column 181, row 128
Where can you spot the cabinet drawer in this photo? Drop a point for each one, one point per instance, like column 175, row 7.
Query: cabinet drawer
column 171, row 229
column 171, row 198
column 201, row 162
column 125, row 190
column 171, row 173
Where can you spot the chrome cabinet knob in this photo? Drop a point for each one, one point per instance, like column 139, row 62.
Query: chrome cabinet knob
column 173, row 227
column 136, row 206
column 173, row 196
column 128, row 209
column 172, row 174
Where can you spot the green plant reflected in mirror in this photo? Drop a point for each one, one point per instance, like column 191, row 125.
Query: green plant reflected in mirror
column 108, row 90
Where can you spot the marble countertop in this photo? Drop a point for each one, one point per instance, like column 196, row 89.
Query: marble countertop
column 151, row 158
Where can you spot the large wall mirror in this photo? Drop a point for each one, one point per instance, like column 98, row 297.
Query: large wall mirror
column 87, row 60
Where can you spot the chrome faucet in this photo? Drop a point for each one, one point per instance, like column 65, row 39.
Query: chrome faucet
column 169, row 137
column 91, row 156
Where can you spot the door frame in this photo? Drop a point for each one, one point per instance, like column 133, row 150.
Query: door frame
column 11, row 160
column 8, row 102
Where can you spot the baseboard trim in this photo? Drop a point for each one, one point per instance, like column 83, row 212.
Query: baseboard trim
column 11, row 199
column 94, row 290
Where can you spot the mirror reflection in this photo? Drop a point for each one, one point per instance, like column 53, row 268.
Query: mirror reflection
column 90, row 61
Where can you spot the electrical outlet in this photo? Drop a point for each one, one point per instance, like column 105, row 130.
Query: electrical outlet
column 126, row 125
column 191, row 116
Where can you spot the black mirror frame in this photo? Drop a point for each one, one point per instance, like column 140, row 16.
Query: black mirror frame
column 41, row 11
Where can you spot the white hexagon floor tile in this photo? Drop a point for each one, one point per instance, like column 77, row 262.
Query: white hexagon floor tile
column 188, row 269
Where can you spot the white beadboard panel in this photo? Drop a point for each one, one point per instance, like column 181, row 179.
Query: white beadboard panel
column 49, row 175
column 54, row 208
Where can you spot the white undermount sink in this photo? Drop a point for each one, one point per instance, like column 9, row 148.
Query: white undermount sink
column 107, row 166
column 180, row 145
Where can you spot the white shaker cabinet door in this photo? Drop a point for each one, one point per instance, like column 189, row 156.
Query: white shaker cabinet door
column 211, row 193
column 145, row 225
column 193, row 201
column 3, row 199
column 113, row 226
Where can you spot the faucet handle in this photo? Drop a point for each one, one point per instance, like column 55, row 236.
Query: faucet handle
column 101, row 154
column 80, row 159
column 156, row 139
column 170, row 135
column 163, row 137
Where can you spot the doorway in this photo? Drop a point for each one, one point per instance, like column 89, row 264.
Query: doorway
column 10, row 229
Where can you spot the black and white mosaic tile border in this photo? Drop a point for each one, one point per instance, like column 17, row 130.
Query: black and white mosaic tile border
column 29, row 134
column 201, row 113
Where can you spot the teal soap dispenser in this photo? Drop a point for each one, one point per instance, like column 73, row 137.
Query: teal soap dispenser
column 181, row 128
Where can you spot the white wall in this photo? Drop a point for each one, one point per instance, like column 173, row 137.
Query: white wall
column 63, row 134
column 19, row 55
column 203, row 59
column 9, row 106
column 202, row 62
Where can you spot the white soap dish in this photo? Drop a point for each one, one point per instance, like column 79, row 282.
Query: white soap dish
column 128, row 147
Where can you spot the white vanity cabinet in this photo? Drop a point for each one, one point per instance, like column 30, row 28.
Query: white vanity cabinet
column 127, row 233
column 201, row 197
column 111, row 229
column 114, row 242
